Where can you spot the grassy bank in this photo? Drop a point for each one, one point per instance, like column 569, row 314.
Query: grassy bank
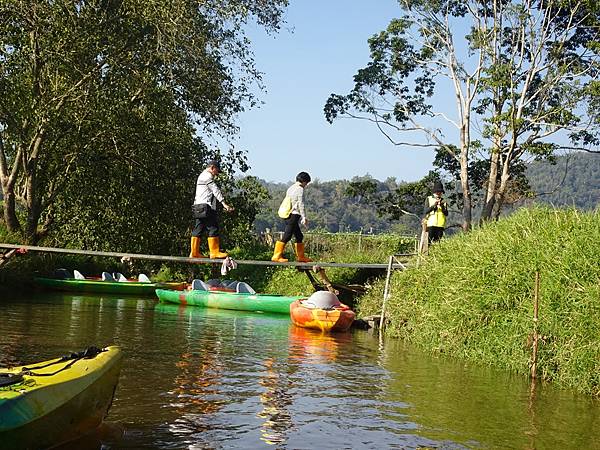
column 473, row 297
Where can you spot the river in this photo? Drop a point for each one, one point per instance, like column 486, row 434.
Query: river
column 207, row 379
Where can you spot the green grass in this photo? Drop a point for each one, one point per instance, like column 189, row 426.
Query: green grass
column 339, row 248
column 473, row 296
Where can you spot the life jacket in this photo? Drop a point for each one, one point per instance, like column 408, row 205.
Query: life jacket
column 435, row 218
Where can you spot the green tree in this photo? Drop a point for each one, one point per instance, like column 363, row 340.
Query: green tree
column 521, row 72
column 101, row 100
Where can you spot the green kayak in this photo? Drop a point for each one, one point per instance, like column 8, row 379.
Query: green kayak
column 49, row 403
column 105, row 287
column 229, row 300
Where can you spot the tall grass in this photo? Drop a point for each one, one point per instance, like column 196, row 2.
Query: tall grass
column 473, row 296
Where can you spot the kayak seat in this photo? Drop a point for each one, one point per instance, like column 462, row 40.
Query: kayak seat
column 107, row 277
column 244, row 288
column 322, row 300
column 199, row 285
column 77, row 275
column 119, row 277
column 142, row 278
column 62, row 274
column 6, row 379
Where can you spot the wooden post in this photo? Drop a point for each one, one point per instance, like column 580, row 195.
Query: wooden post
column 386, row 292
column 360, row 241
column 536, row 294
column 424, row 242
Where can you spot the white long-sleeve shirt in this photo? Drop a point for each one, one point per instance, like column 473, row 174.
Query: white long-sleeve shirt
column 296, row 193
column 207, row 190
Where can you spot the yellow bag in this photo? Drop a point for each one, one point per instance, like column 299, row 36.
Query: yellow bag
column 285, row 209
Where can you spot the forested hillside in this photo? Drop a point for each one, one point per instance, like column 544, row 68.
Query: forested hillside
column 572, row 181
column 329, row 208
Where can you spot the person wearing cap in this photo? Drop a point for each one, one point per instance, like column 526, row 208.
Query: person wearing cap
column 205, row 212
column 296, row 217
column 436, row 212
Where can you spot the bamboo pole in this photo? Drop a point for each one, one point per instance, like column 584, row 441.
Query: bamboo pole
column 536, row 294
column 185, row 259
column 386, row 292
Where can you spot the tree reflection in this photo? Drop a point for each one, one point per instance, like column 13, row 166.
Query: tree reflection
column 275, row 400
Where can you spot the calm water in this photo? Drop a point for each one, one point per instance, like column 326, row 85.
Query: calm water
column 196, row 378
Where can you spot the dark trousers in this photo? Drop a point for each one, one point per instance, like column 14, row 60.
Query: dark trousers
column 208, row 223
column 435, row 233
column 292, row 228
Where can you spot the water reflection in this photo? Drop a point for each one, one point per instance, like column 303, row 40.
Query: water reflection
column 315, row 347
column 276, row 400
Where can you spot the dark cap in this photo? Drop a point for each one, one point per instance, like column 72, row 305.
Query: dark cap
column 438, row 186
column 214, row 162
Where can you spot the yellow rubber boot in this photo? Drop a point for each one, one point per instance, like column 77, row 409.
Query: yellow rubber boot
column 300, row 256
column 215, row 248
column 278, row 252
column 195, row 246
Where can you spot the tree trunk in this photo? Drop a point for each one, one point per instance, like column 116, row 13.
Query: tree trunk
column 8, row 192
column 467, row 207
column 501, row 193
column 32, row 194
column 33, row 208
column 490, row 193
column 464, row 178
column 10, row 215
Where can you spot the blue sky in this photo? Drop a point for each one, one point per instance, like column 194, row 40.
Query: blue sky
column 327, row 44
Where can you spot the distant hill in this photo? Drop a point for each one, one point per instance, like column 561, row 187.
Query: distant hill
column 573, row 181
column 328, row 208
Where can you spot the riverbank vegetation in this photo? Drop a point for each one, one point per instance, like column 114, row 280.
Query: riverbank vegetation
column 473, row 296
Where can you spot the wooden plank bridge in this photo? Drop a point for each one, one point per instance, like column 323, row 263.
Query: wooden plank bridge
column 184, row 259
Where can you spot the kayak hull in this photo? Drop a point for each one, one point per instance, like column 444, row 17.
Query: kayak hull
column 229, row 300
column 45, row 411
column 106, row 287
column 337, row 319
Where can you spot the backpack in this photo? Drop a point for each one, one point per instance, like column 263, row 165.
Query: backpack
column 285, row 209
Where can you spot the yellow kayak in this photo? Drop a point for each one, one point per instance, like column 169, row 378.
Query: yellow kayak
column 52, row 402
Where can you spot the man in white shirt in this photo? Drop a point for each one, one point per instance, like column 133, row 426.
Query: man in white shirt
column 205, row 212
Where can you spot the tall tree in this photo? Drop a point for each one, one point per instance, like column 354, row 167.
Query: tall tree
column 93, row 88
column 522, row 74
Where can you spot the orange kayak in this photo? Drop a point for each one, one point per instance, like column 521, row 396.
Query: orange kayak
column 338, row 318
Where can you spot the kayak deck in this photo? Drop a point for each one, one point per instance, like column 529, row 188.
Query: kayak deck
column 106, row 287
column 229, row 300
column 57, row 401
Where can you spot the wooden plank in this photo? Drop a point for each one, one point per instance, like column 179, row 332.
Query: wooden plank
column 185, row 259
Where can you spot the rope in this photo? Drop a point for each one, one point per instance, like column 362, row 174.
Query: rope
column 88, row 353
